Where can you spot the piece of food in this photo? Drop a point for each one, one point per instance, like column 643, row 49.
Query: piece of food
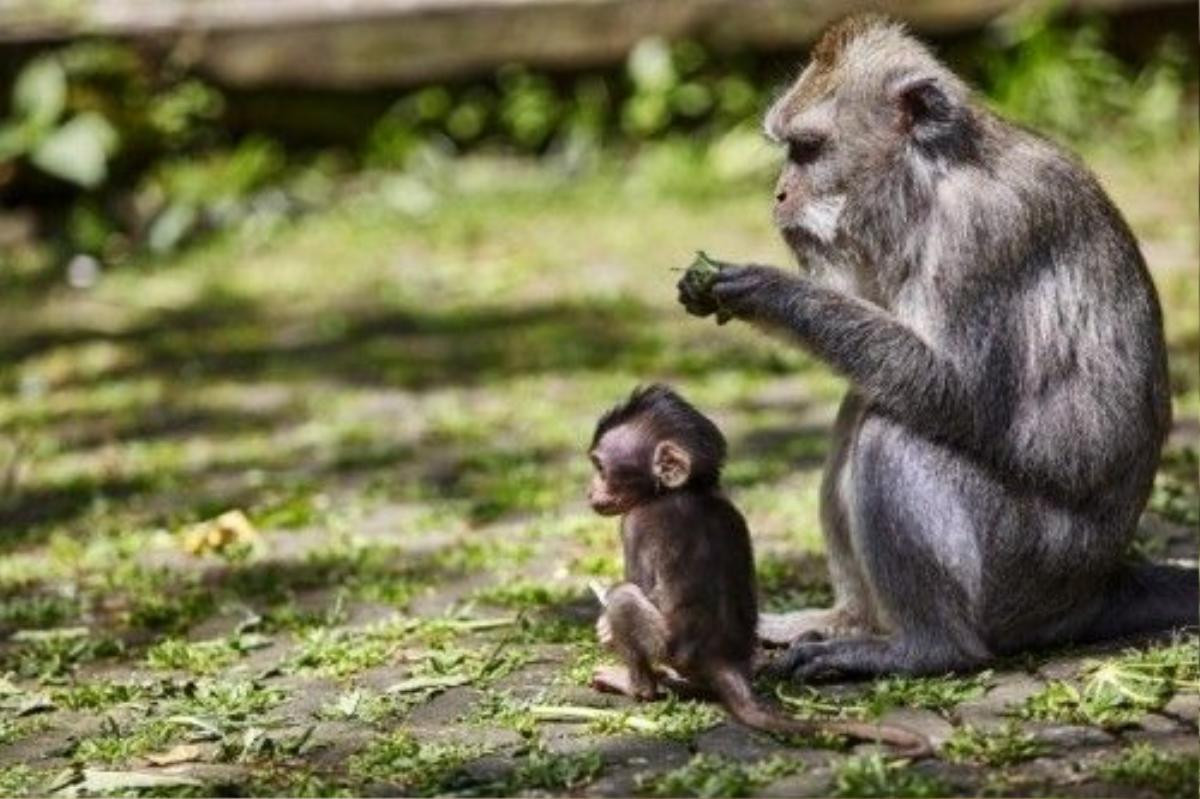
column 699, row 279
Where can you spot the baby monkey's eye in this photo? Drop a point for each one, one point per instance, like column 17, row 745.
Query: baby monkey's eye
column 804, row 148
column 596, row 462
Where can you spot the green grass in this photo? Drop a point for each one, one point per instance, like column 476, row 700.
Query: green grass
column 420, row 768
column 1004, row 747
column 1116, row 691
column 1143, row 766
column 710, row 775
column 876, row 776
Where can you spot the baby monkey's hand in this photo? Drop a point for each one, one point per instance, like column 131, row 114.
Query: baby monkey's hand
column 604, row 631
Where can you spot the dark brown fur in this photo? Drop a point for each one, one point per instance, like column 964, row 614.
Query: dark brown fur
column 688, row 601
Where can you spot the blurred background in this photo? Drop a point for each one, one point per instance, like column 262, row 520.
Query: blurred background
column 357, row 277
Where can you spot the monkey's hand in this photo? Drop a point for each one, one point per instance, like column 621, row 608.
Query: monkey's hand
column 604, row 631
column 749, row 292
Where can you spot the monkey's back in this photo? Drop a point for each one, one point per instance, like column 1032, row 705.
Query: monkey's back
column 691, row 553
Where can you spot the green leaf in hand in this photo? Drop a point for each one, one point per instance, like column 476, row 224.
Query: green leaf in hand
column 699, row 278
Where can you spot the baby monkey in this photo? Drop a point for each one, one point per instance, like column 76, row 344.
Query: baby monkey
column 686, row 614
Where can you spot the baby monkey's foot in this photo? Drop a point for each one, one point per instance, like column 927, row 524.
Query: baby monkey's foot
column 617, row 680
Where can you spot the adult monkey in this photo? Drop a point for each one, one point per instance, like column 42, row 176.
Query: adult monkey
column 1004, row 346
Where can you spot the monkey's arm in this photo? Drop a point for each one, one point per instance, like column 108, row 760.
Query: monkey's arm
column 887, row 361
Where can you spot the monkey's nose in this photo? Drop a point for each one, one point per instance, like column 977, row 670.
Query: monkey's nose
column 781, row 196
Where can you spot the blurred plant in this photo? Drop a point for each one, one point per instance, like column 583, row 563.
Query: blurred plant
column 73, row 147
column 187, row 193
column 1064, row 81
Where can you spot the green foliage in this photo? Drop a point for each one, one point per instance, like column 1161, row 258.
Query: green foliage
column 939, row 694
column 93, row 694
column 1143, row 766
column 1117, row 691
column 423, row 769
column 117, row 744
column 28, row 610
column 20, row 780
column 545, row 771
column 75, row 149
column 710, row 775
column 875, row 776
column 1001, row 748
column 196, row 657
column 527, row 594
column 1176, row 494
column 1064, row 81
column 55, row 655
column 683, row 719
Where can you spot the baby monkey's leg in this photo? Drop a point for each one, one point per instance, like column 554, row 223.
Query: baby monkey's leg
column 639, row 635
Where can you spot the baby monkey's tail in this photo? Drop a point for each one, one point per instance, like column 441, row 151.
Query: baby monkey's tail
column 733, row 689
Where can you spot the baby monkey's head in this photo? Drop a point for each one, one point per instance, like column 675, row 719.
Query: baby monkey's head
column 652, row 443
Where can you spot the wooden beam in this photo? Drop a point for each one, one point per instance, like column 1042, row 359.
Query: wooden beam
column 365, row 43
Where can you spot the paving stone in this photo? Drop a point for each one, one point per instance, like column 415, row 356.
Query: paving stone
column 930, row 724
column 1179, row 741
column 304, row 697
column 585, row 696
column 735, row 742
column 631, row 760
column 1065, row 667
column 993, row 710
column 641, row 751
column 488, row 769
column 1185, row 707
column 1159, row 725
column 810, row 782
column 333, row 743
column 530, row 681
column 960, row 777
column 380, row 678
column 1069, row 736
column 447, row 707
column 487, row 736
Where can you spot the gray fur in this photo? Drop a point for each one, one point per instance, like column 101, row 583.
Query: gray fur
column 1004, row 343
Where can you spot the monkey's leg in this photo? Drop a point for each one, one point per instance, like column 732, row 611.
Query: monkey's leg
column 852, row 613
column 639, row 636
column 922, row 514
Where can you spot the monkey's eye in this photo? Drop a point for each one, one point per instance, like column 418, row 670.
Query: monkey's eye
column 596, row 463
column 806, row 147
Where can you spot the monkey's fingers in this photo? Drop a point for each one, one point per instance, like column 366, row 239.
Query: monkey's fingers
column 798, row 663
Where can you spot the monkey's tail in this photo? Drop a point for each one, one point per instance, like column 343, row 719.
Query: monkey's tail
column 1146, row 598
column 736, row 694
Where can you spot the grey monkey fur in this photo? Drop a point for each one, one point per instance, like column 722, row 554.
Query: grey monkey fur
column 1003, row 342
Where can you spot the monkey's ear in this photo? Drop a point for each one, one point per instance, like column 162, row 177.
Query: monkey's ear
column 922, row 101
column 672, row 465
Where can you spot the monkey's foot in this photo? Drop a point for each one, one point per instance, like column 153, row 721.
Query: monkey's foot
column 867, row 657
column 782, row 629
column 617, row 680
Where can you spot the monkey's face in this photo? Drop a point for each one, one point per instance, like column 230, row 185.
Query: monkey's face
column 631, row 466
column 621, row 465
column 871, row 116
column 825, row 151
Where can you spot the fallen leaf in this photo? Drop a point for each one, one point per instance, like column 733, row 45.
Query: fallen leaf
column 183, row 753
column 38, row 703
column 423, row 683
column 203, row 727
column 92, row 781
column 230, row 529
column 53, row 634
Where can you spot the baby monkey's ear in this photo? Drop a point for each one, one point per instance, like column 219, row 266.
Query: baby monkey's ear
column 672, row 465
